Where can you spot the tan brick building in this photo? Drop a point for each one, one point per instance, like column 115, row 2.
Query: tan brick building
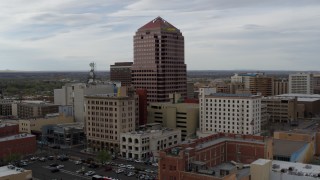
column 106, row 116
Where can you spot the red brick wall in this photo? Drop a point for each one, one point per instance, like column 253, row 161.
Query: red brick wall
column 9, row 130
column 244, row 152
column 142, row 93
column 22, row 146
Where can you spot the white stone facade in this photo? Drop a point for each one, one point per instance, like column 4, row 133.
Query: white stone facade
column 146, row 144
column 231, row 113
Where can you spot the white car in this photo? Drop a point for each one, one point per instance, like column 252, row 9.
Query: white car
column 131, row 174
column 155, row 164
column 60, row 166
column 148, row 171
column 118, row 171
column 130, row 166
column 89, row 173
column 122, row 166
column 138, row 161
column 77, row 162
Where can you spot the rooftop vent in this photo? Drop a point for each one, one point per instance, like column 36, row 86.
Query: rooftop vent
column 308, row 166
column 283, row 170
column 275, row 166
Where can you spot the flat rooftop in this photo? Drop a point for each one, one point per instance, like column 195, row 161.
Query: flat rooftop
column 297, row 168
column 287, row 147
column 6, row 124
column 14, row 137
column 223, row 139
column 5, row 171
column 300, row 95
column 233, row 95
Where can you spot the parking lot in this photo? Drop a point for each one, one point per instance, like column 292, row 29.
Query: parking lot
column 42, row 170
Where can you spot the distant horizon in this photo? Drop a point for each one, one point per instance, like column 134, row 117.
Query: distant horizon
column 249, row 70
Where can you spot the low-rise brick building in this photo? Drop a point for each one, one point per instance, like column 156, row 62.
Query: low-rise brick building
column 198, row 159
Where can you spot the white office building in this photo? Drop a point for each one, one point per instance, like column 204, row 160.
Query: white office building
column 73, row 95
column 231, row 113
column 143, row 145
column 301, row 83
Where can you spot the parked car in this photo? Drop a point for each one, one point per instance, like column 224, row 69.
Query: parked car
column 23, row 164
column 54, row 165
column 60, row 166
column 138, row 161
column 54, row 170
column 118, row 171
column 78, row 162
column 42, row 159
column 34, row 158
column 148, row 171
column 129, row 166
column 80, row 171
column 89, row 173
column 93, row 165
column 155, row 164
column 131, row 174
column 50, row 158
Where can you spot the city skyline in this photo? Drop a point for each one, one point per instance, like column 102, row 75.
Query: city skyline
column 219, row 35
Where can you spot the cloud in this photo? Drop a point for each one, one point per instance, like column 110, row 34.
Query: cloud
column 219, row 34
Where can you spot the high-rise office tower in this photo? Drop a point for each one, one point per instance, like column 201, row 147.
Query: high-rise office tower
column 158, row 63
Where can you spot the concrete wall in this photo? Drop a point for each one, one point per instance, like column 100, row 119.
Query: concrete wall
column 26, row 126
column 25, row 175
column 293, row 136
column 260, row 171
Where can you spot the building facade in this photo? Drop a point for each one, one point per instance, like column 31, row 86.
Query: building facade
column 121, row 72
column 158, row 63
column 255, row 83
column 183, row 116
column 106, row 116
column 282, row 109
column 35, row 110
column 8, row 129
column 6, row 107
column 13, row 144
column 316, row 83
column 301, row 83
column 280, row 86
column 145, row 145
column 194, row 159
column 73, row 95
column 31, row 126
column 231, row 113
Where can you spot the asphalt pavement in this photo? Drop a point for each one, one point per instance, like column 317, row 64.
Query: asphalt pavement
column 42, row 171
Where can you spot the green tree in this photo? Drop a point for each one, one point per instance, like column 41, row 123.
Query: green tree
column 12, row 157
column 104, row 156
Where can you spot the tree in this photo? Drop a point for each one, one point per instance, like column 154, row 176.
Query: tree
column 103, row 156
column 12, row 157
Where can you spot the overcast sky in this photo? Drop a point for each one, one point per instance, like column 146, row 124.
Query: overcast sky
column 219, row 34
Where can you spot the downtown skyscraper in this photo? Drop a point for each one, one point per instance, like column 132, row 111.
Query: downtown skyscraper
column 158, row 63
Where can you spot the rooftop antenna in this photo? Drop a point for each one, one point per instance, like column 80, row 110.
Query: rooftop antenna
column 92, row 75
